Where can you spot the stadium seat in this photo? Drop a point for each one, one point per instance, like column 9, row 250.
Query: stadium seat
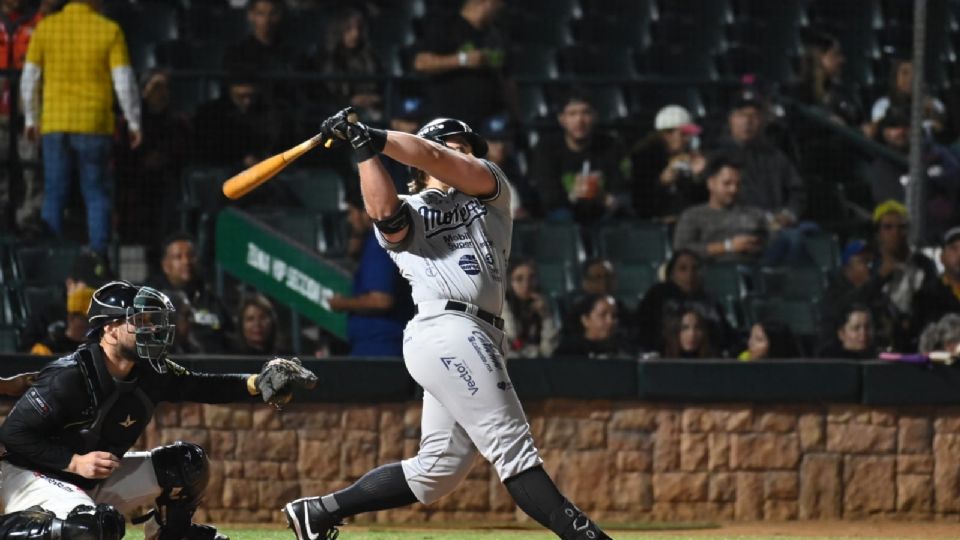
column 706, row 35
column 781, row 15
column 534, row 60
column 188, row 54
column 638, row 242
column 533, row 104
column 595, row 61
column 641, row 12
column 714, row 11
column 320, row 190
column 797, row 282
column 676, row 60
column 46, row 264
column 558, row 242
column 390, row 30
column 645, row 99
column 726, row 280
column 9, row 337
column 301, row 226
column 148, row 21
column 141, row 52
column 300, row 29
column 556, row 277
column 38, row 298
column 802, row 316
column 610, row 31
column 738, row 60
column 824, row 249
column 633, row 281
column 523, row 26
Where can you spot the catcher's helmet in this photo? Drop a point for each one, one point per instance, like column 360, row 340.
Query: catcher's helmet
column 148, row 310
column 439, row 129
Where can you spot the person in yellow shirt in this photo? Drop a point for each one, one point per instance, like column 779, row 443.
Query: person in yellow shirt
column 74, row 56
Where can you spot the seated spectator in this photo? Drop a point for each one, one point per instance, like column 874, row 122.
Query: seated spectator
column 148, row 205
column 349, row 53
column 211, row 322
column 665, row 169
column 529, row 324
column 683, row 286
column 899, row 94
column 722, row 229
column 821, row 81
column 578, row 173
column 502, row 151
column 905, row 273
column 769, row 181
column 263, row 50
column 597, row 277
column 66, row 335
column 464, row 57
column 943, row 294
column 380, row 303
column 685, row 335
column 597, row 332
column 942, row 335
column 258, row 327
column 89, row 271
column 853, row 339
column 770, row 339
column 239, row 128
column 184, row 340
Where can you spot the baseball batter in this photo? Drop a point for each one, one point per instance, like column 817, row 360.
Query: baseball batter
column 451, row 240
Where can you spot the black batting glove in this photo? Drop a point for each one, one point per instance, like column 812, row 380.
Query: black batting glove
column 335, row 127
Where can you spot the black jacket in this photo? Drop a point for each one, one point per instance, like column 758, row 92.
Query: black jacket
column 77, row 407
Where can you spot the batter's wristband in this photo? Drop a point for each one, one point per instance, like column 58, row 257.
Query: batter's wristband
column 375, row 144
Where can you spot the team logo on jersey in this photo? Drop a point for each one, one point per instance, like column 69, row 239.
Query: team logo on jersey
column 38, row 403
column 128, row 422
column 486, row 350
column 469, row 265
column 436, row 221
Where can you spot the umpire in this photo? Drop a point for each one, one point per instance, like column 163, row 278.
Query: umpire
column 68, row 475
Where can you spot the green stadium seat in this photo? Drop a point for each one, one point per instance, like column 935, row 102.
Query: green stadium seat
column 676, row 60
column 9, row 338
column 320, row 190
column 534, row 60
column 37, row 299
column 46, row 264
column 533, row 104
column 556, row 277
column 523, row 240
column 558, row 242
column 801, row 282
column 594, row 61
column 825, row 251
column 610, row 31
column 635, row 243
column 802, row 316
column 524, row 26
column 302, row 226
column 726, row 280
column 639, row 11
column 633, row 281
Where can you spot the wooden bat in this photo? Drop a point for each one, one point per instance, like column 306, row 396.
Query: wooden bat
column 252, row 177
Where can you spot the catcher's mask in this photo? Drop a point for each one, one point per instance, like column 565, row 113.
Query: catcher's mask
column 148, row 311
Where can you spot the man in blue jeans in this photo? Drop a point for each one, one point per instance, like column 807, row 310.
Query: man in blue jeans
column 76, row 53
column 380, row 304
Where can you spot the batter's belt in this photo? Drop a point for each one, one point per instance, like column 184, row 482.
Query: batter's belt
column 436, row 306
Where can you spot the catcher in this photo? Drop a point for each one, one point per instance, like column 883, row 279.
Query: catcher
column 67, row 473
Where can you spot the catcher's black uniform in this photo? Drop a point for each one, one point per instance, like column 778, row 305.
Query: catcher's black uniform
column 76, row 407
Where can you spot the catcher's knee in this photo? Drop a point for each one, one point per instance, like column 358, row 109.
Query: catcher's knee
column 84, row 522
column 183, row 472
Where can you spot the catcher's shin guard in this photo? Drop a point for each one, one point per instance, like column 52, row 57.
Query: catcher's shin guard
column 82, row 523
column 310, row 520
column 570, row 523
column 183, row 472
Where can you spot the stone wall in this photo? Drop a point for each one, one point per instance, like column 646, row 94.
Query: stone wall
column 621, row 461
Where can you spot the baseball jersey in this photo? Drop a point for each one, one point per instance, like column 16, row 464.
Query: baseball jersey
column 457, row 245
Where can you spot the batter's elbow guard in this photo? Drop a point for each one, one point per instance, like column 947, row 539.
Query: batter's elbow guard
column 396, row 222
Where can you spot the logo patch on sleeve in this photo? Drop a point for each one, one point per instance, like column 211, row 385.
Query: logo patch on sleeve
column 38, row 403
column 469, row 265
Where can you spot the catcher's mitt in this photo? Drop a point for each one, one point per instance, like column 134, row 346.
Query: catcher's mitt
column 279, row 377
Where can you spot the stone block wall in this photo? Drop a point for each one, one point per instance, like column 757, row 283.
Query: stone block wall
column 621, row 461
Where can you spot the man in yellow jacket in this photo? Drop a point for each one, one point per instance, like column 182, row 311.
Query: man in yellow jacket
column 75, row 55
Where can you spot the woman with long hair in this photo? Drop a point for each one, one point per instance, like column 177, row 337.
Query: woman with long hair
column 528, row 321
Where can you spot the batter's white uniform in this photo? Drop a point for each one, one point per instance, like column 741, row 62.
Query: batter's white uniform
column 457, row 248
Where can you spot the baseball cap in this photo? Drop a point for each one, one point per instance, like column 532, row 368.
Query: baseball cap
column 411, row 108
column 951, row 235
column 90, row 268
column 673, row 117
column 889, row 206
column 747, row 98
column 854, row 247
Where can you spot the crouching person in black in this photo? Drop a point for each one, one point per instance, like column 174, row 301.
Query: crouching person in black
column 67, row 473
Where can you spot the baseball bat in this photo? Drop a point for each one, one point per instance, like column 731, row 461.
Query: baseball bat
column 252, row 177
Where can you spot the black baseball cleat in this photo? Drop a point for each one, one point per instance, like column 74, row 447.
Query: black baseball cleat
column 310, row 520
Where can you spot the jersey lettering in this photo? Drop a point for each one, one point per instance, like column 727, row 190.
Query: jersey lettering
column 436, row 221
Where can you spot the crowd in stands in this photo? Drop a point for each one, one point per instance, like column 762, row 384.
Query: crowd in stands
column 737, row 187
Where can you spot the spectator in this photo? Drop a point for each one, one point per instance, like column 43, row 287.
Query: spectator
column 770, row 339
column 88, row 271
column 239, row 128
column 685, row 335
column 17, row 23
column 943, row 294
column 942, row 167
column 349, row 53
column 905, row 273
column 722, row 229
column 821, row 81
column 597, row 277
column 770, row 182
column 408, row 116
column 942, row 335
column 528, row 322
column 77, row 108
column 66, row 335
column 578, row 173
column 683, row 286
column 665, row 168
column 149, row 197
column 502, row 152
column 899, row 94
column 463, row 55
column 597, row 332
column 854, row 335
column 380, row 304
column 263, row 50
column 258, row 327
column 184, row 340
column 211, row 322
